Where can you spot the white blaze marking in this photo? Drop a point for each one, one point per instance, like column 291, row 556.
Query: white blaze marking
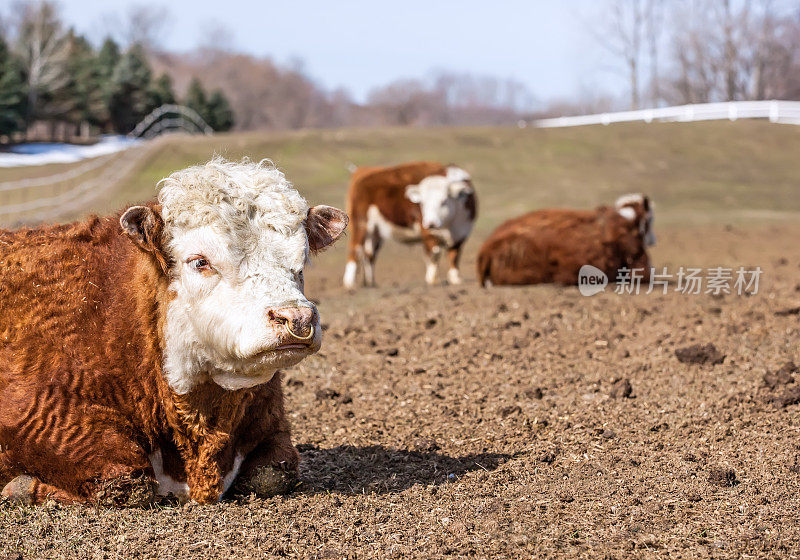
column 247, row 220
column 628, row 213
column 455, row 174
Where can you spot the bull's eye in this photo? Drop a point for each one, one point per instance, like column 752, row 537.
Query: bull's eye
column 199, row 263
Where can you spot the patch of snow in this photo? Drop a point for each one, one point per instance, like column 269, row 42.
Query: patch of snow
column 43, row 153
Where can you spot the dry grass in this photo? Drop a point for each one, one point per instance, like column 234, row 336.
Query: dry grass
column 461, row 422
column 697, row 172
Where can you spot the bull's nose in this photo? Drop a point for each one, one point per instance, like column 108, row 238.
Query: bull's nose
column 298, row 321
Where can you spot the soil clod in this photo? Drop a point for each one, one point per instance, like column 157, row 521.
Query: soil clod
column 781, row 377
column 547, row 457
column 787, row 312
column 789, row 397
column 724, row 477
column 334, row 395
column 507, row 411
column 621, row 389
column 425, row 445
column 700, row 354
column 535, row 393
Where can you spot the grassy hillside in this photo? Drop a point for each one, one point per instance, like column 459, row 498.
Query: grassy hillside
column 698, row 173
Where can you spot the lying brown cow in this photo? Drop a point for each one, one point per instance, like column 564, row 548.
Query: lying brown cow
column 551, row 245
column 414, row 202
column 139, row 354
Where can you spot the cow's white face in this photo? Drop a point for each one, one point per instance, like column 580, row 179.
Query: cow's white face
column 440, row 197
column 638, row 207
column 238, row 237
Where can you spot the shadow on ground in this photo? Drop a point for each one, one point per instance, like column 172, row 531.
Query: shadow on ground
column 375, row 469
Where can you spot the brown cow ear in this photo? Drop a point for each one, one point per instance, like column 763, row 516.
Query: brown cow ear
column 324, row 225
column 144, row 226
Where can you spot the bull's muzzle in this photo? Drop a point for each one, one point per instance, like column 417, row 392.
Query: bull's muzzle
column 298, row 322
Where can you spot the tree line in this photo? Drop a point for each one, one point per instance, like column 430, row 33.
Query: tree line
column 701, row 51
column 55, row 84
column 53, row 76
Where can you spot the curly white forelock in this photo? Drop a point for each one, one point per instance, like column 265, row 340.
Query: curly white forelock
column 235, row 196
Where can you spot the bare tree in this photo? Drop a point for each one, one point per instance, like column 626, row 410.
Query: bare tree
column 141, row 24
column 620, row 33
column 728, row 50
column 43, row 48
column 654, row 18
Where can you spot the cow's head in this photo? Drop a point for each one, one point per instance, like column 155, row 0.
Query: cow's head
column 638, row 208
column 235, row 238
column 439, row 196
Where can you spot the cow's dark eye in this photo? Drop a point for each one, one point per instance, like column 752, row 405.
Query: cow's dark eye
column 199, row 263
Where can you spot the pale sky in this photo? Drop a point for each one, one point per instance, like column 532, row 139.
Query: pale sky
column 360, row 44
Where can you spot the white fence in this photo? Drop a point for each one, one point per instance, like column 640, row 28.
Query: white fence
column 786, row 112
column 156, row 122
column 32, row 200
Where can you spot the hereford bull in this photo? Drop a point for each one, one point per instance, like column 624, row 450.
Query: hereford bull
column 140, row 353
column 550, row 246
column 414, row 202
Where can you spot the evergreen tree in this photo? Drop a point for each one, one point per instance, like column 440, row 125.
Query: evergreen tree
column 130, row 83
column 12, row 92
column 107, row 60
column 161, row 92
column 196, row 99
column 87, row 85
column 219, row 112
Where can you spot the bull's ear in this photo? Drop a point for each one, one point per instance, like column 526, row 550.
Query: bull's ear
column 144, row 226
column 324, row 225
column 414, row 194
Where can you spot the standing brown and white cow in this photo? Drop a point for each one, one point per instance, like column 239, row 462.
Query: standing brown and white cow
column 414, row 202
column 140, row 353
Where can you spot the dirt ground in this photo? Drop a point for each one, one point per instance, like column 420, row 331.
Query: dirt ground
column 515, row 422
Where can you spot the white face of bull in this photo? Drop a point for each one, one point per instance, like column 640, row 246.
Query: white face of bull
column 628, row 206
column 441, row 197
column 238, row 236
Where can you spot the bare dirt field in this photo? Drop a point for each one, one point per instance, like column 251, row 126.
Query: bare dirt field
column 461, row 422
column 514, row 423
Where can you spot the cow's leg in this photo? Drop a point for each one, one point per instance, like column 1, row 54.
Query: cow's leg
column 372, row 245
column 432, row 253
column 7, row 473
column 355, row 254
column 123, row 491
column 87, row 457
column 120, row 491
column 30, row 491
column 453, row 259
column 271, row 468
